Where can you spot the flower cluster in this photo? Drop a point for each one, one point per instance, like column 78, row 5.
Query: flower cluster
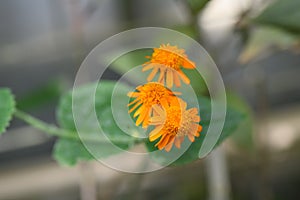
column 154, row 104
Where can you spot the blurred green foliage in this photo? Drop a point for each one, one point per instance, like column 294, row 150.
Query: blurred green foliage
column 42, row 95
column 243, row 136
column 7, row 108
column 283, row 14
column 265, row 39
column 197, row 5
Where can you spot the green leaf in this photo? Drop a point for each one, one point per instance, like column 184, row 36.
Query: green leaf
column 40, row 96
column 197, row 5
column 127, row 62
column 284, row 14
column 7, row 108
column 70, row 151
column 188, row 30
column 232, row 121
column 197, row 82
column 264, row 39
column 243, row 136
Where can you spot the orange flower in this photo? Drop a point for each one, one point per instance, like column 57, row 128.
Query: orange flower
column 172, row 123
column 168, row 60
column 145, row 97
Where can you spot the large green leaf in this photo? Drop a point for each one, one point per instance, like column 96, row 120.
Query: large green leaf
column 233, row 120
column 70, row 151
column 284, row 14
column 7, row 108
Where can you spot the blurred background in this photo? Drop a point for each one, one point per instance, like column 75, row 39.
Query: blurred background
column 256, row 46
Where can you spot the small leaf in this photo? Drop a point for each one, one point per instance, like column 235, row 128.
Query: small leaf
column 283, row 14
column 232, row 121
column 70, row 151
column 7, row 108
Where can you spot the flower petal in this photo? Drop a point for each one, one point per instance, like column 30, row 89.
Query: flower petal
column 148, row 66
column 168, row 147
column 142, row 117
column 184, row 77
column 188, row 64
column 133, row 102
column 169, row 78
column 155, row 134
column 191, row 137
column 164, row 141
column 152, row 74
column 176, row 79
column 161, row 78
column 134, row 107
column 133, row 94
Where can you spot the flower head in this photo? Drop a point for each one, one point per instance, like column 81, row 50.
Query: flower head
column 173, row 123
column 168, row 60
column 145, row 97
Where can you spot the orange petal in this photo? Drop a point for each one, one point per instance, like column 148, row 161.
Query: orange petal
column 133, row 94
column 134, row 107
column 158, row 110
column 164, row 141
column 176, row 79
column 139, row 110
column 178, row 141
column 168, row 147
column 196, row 134
column 133, row 102
column 193, row 111
column 142, row 117
column 157, row 120
column 152, row 74
column 146, row 121
column 147, row 67
column 191, row 137
column 170, row 78
column 183, row 104
column 155, row 134
column 196, row 118
column 188, row 64
column 199, row 128
column 161, row 78
column 183, row 77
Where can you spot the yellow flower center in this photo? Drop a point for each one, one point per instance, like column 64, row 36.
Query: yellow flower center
column 170, row 56
column 177, row 121
column 153, row 93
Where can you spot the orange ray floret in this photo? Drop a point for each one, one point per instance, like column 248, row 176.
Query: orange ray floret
column 145, row 97
column 168, row 60
column 173, row 123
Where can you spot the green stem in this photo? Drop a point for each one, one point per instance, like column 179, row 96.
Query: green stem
column 47, row 128
column 55, row 131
